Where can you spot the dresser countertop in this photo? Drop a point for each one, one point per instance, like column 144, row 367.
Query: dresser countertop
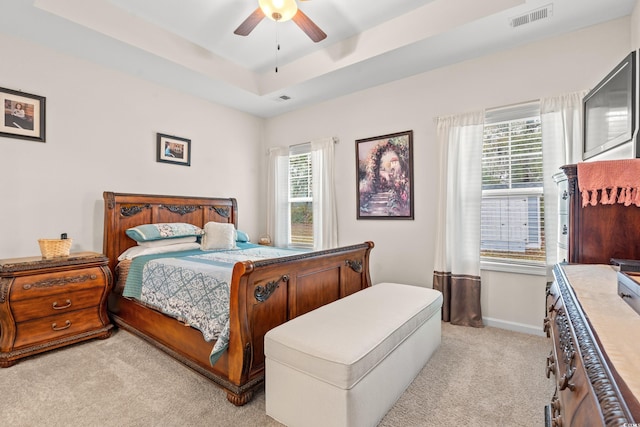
column 616, row 324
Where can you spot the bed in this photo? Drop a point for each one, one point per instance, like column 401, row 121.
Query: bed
column 262, row 293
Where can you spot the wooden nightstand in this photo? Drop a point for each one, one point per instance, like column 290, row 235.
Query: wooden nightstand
column 51, row 303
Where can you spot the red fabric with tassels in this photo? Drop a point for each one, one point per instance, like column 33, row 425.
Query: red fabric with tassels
column 617, row 181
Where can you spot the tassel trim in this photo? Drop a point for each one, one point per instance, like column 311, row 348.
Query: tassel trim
column 626, row 195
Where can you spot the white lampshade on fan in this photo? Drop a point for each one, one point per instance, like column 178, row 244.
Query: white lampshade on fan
column 279, row 10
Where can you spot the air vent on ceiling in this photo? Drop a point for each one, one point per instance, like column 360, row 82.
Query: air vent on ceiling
column 283, row 98
column 543, row 12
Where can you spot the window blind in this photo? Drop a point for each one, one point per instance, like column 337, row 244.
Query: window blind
column 301, row 196
column 512, row 215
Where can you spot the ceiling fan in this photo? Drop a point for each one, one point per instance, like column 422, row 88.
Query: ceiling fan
column 281, row 11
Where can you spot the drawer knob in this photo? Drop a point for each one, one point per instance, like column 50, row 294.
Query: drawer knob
column 547, row 326
column 564, row 381
column 555, row 405
column 551, row 364
column 623, row 295
column 557, row 421
column 61, row 307
column 55, row 326
column 556, row 413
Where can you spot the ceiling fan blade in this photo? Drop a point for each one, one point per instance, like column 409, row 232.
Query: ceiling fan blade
column 309, row 27
column 250, row 23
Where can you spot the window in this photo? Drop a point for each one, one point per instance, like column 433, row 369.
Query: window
column 300, row 200
column 300, row 195
column 512, row 212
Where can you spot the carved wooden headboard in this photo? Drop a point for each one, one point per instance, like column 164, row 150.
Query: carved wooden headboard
column 123, row 211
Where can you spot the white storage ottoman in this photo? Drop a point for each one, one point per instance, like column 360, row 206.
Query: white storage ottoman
column 346, row 363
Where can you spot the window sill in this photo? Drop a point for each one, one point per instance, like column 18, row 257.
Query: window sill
column 534, row 270
column 299, row 246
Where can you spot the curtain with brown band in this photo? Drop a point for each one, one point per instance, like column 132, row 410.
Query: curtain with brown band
column 457, row 260
column 464, row 291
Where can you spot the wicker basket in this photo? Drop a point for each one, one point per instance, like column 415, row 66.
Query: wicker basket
column 52, row 248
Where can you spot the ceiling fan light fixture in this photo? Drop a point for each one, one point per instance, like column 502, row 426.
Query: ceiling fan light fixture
column 279, row 10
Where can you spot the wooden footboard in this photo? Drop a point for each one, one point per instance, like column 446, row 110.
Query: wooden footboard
column 264, row 294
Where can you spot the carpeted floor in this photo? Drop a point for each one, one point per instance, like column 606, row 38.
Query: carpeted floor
column 478, row 377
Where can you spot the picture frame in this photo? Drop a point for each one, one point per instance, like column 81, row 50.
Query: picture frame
column 24, row 115
column 173, row 149
column 384, row 182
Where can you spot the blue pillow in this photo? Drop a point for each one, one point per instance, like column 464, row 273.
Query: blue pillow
column 241, row 236
column 172, row 230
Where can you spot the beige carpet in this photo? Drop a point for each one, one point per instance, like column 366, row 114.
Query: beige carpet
column 478, row 377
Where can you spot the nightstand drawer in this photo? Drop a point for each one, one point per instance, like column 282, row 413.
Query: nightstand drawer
column 54, row 327
column 52, row 305
column 39, row 285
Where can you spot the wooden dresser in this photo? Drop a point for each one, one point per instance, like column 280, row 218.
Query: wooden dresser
column 594, row 234
column 50, row 303
column 595, row 349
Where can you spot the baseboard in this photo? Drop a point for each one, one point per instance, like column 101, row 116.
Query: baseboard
column 513, row 326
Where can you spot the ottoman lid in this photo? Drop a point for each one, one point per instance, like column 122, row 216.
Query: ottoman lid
column 340, row 342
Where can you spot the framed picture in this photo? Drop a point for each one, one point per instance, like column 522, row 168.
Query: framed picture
column 385, row 176
column 173, row 149
column 24, row 115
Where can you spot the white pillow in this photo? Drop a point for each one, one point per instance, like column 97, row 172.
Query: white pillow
column 137, row 251
column 218, row 235
column 168, row 242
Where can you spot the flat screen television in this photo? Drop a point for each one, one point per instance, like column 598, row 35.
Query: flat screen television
column 610, row 110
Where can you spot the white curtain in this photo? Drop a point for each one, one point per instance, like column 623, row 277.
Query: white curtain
column 561, row 119
column 325, row 223
column 457, row 260
column 278, row 196
column 325, row 228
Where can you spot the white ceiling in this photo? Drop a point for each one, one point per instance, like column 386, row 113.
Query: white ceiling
column 189, row 45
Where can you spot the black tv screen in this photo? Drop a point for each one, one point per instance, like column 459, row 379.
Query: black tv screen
column 609, row 110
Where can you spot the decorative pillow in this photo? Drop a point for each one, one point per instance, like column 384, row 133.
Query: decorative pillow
column 137, row 251
column 241, row 236
column 147, row 232
column 218, row 235
column 168, row 242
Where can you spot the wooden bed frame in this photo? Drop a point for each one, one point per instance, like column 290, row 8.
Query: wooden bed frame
column 264, row 294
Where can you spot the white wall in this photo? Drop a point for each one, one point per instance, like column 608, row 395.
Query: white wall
column 635, row 26
column 404, row 250
column 101, row 127
column 628, row 149
column 101, row 136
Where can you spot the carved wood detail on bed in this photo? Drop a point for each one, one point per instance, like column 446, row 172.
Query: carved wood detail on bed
column 264, row 294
